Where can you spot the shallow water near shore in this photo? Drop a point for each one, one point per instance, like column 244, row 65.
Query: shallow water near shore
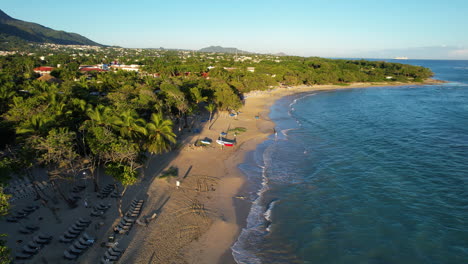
column 373, row 175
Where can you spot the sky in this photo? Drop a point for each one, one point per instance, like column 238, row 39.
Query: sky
column 418, row 29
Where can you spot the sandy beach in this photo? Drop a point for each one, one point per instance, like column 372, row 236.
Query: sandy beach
column 195, row 222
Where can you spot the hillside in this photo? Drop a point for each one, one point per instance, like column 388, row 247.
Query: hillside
column 15, row 29
column 219, row 49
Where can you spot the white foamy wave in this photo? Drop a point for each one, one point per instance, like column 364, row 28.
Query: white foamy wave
column 267, row 214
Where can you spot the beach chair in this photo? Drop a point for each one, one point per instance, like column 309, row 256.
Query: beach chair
column 24, row 230
column 64, row 239
column 114, row 253
column 88, row 237
column 23, row 255
column 29, row 250
column 70, row 235
column 85, row 242
column 84, row 220
column 80, row 246
column 72, row 249
column 12, row 219
column 73, row 231
column 110, row 257
column 39, row 240
column 96, row 213
column 77, row 227
column 32, row 227
column 129, row 220
column 69, row 255
column 80, row 225
column 44, row 236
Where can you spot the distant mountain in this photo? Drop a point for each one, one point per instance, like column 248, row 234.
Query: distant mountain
column 15, row 29
column 219, row 49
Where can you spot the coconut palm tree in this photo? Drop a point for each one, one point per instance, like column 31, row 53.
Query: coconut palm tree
column 129, row 124
column 159, row 134
column 210, row 108
column 99, row 115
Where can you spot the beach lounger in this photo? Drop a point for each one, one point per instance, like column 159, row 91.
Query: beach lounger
column 110, row 257
column 32, row 227
column 69, row 255
column 29, row 250
column 69, row 235
column 23, row 255
column 77, row 227
column 33, row 244
column 39, row 240
column 73, row 231
column 80, row 246
column 114, row 253
column 44, row 236
column 64, row 239
column 24, row 230
column 72, row 249
column 96, row 213
column 84, row 220
column 81, row 225
column 12, row 219
column 116, row 249
column 88, row 237
column 128, row 219
column 85, row 242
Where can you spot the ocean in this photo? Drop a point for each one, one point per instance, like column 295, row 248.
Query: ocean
column 375, row 175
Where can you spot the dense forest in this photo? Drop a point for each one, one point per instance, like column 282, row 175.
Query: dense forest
column 114, row 119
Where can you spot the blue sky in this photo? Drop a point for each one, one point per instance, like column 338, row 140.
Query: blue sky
column 328, row 28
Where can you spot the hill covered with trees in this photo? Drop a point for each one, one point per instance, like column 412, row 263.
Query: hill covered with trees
column 15, row 30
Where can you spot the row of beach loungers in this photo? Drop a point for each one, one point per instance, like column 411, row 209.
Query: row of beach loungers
column 104, row 193
column 78, row 247
column 112, row 255
column 34, row 246
column 20, row 189
column 21, row 214
column 100, row 209
column 129, row 219
column 74, row 231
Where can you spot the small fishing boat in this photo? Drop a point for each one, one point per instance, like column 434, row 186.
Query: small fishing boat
column 225, row 142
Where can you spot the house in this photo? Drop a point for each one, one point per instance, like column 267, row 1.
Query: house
column 49, row 78
column 90, row 69
column 43, row 70
column 251, row 69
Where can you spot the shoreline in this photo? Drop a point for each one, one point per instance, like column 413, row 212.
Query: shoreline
column 200, row 221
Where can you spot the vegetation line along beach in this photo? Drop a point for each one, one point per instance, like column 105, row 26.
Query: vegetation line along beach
column 142, row 145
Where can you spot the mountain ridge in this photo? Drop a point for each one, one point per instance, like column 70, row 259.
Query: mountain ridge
column 12, row 28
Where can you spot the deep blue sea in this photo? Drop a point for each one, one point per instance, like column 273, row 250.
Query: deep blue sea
column 375, row 175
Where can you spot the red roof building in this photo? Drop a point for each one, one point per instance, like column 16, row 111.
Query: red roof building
column 89, row 69
column 43, row 70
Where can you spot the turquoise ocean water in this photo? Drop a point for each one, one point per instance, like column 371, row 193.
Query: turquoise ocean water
column 376, row 175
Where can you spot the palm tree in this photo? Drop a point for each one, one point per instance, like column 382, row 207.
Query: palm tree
column 99, row 115
column 159, row 134
column 210, row 108
column 129, row 124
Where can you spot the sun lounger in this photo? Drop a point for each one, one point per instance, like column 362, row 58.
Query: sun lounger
column 80, row 225
column 24, row 230
column 64, row 239
column 29, row 250
column 128, row 219
column 77, row 227
column 85, row 242
column 23, row 255
column 88, row 237
column 12, row 219
column 44, row 236
column 73, row 231
column 33, row 245
column 32, row 227
column 70, row 235
column 69, row 255
column 97, row 213
column 114, row 253
column 110, row 257
column 84, row 220
column 72, row 249
column 39, row 240
column 80, row 246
